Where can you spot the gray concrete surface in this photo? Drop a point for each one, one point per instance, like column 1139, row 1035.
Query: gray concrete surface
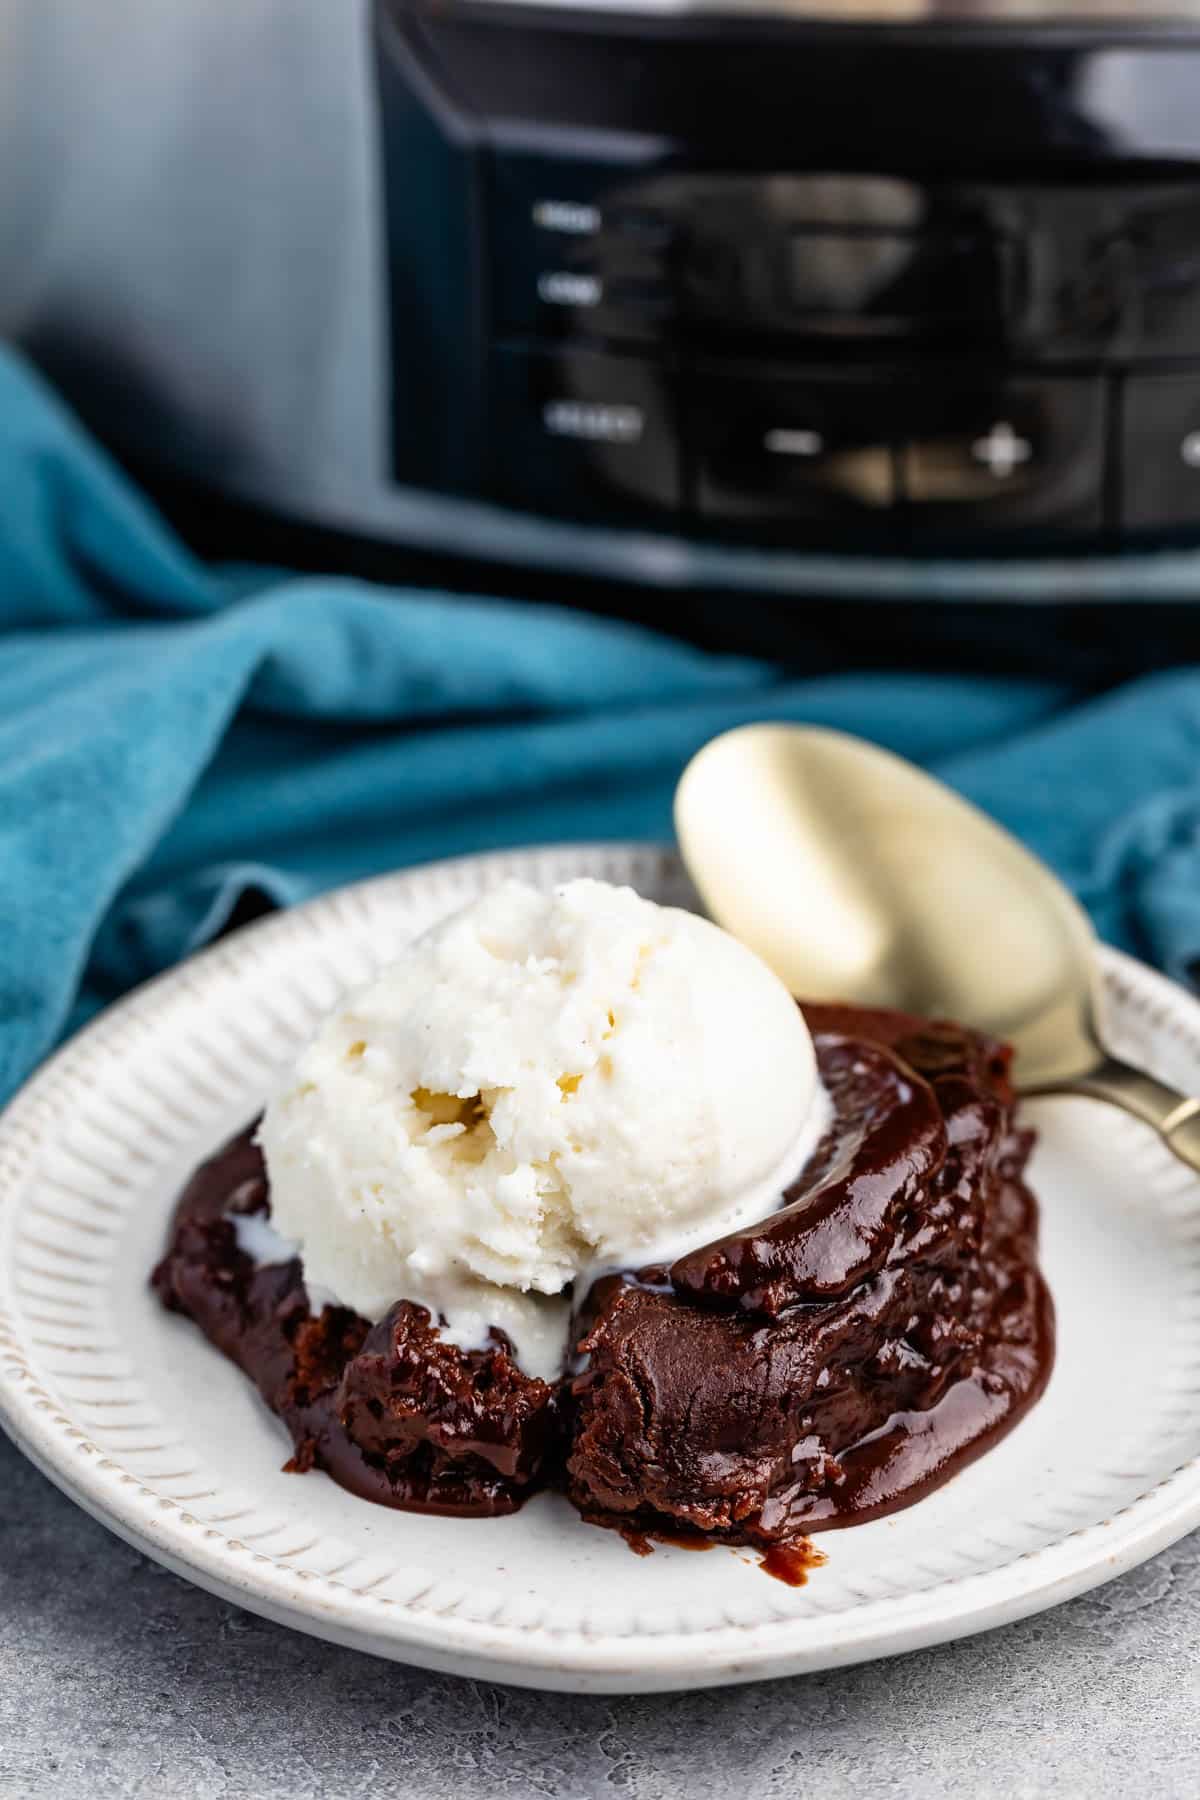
column 117, row 1679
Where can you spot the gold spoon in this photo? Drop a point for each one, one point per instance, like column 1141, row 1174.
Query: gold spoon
column 858, row 878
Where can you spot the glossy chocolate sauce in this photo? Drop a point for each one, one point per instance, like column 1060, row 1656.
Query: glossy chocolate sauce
column 877, row 1331
column 791, row 1562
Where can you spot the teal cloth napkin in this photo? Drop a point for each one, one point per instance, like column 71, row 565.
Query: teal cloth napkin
column 173, row 734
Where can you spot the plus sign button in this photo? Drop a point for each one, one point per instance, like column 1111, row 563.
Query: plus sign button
column 1005, row 456
column 1002, row 451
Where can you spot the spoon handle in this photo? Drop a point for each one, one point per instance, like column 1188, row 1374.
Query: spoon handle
column 1175, row 1116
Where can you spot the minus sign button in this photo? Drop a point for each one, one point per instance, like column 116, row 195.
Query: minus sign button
column 782, row 441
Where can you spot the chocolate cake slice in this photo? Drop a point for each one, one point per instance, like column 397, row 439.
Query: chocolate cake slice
column 884, row 1325
column 391, row 1410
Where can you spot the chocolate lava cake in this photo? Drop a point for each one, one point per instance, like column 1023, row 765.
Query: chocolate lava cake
column 879, row 1329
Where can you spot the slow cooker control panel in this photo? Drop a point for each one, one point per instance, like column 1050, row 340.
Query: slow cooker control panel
column 847, row 290
column 807, row 356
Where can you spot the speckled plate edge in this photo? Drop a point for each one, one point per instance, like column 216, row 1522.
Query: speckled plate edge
column 1156, row 1010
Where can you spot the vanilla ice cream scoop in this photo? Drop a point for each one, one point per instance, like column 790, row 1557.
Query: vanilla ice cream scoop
column 543, row 1086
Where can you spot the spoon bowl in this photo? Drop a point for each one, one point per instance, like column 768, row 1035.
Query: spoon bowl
column 859, row 878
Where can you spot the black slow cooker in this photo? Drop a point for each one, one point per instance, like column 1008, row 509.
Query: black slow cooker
column 774, row 294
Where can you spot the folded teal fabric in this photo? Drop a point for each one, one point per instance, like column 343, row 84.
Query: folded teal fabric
column 172, row 734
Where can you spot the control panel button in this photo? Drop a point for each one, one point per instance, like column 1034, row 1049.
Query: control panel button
column 578, row 250
column 1009, row 455
column 1160, row 453
column 584, row 434
column 569, row 287
column 773, row 448
column 565, row 218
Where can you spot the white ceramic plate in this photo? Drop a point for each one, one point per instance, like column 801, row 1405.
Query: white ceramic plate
column 146, row 1426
